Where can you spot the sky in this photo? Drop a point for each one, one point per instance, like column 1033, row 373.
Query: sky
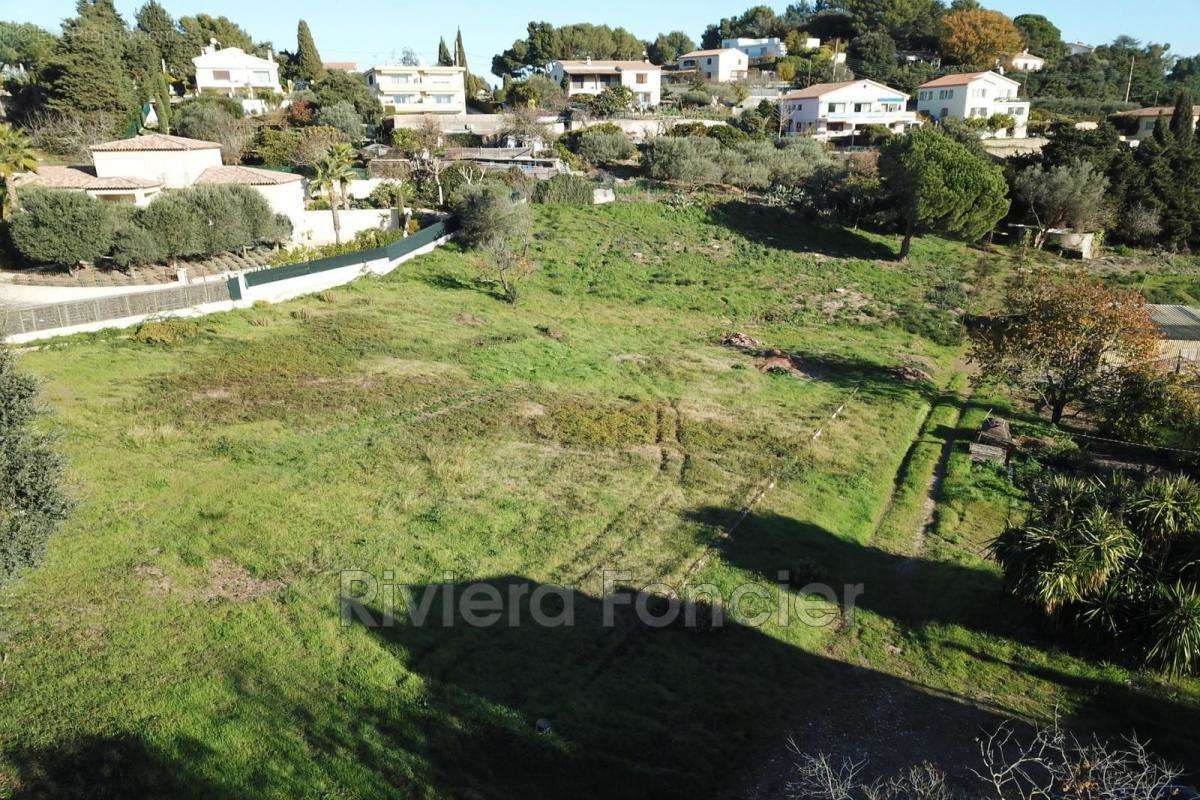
column 375, row 32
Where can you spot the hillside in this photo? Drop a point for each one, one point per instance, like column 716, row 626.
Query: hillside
column 184, row 637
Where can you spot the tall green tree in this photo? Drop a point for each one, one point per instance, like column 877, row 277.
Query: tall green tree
column 935, row 184
column 1042, row 37
column 155, row 22
column 1183, row 120
column 87, row 72
column 444, row 59
column 333, row 176
column 308, row 61
column 460, row 52
column 668, row 47
column 473, row 83
column 26, row 45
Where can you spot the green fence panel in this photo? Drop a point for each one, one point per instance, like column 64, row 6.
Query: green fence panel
column 235, row 289
column 312, row 267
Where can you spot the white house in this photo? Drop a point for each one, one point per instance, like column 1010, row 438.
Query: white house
column 135, row 170
column 1147, row 118
column 592, row 77
column 837, row 110
column 760, row 49
column 1079, row 48
column 724, row 65
column 233, row 72
column 1026, row 61
column 420, row 89
column 974, row 95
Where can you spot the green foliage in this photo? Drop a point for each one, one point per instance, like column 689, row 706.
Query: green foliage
column 308, row 64
column 134, row 246
column 488, row 213
column 25, row 44
column 613, row 100
column 31, row 476
column 545, row 43
column 87, row 72
column 570, row 190
column 686, row 159
column 668, row 47
column 849, row 191
column 342, row 116
column 600, row 147
column 337, row 86
column 443, row 57
column 937, row 184
column 205, row 220
column 166, row 332
column 294, row 147
column 203, row 119
column 389, row 194
column 540, row 91
column 56, row 226
column 1105, row 557
column 153, row 20
column 873, row 55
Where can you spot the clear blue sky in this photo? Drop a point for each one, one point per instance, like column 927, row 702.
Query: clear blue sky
column 373, row 32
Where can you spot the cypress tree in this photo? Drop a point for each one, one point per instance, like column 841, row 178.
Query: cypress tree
column 87, row 72
column 308, row 60
column 444, row 59
column 1183, row 120
column 460, row 53
column 162, row 104
column 155, row 22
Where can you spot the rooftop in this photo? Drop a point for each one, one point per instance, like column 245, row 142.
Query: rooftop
column 961, row 79
column 590, row 66
column 1156, row 111
column 714, row 52
column 153, row 142
column 232, row 56
column 246, row 176
column 821, row 89
column 54, row 177
column 1176, row 323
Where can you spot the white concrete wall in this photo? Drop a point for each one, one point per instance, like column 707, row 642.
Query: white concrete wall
column 175, row 169
column 316, row 226
column 287, row 199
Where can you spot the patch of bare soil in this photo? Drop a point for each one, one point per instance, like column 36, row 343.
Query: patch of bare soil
column 225, row 581
column 468, row 319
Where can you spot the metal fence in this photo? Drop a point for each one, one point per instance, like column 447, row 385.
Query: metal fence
column 31, row 319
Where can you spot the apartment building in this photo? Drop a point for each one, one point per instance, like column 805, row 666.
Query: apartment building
column 419, row 89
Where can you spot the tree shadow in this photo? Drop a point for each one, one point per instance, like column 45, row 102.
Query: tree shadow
column 444, row 280
column 642, row 711
column 787, row 230
column 123, row 767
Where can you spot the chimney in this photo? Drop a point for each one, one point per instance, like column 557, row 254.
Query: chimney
column 271, row 54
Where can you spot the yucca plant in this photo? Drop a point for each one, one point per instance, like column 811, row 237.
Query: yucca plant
column 1175, row 629
column 1164, row 508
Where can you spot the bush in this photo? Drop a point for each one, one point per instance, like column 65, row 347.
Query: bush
column 688, row 129
column 572, row 190
column 133, row 246
column 166, row 331
column 343, row 117
column 571, row 139
column 205, row 220
column 487, row 213
column 686, row 159
column 726, row 135
column 389, row 194
column 1081, row 107
column 202, row 119
column 598, row 147
column 56, row 226
column 294, row 147
column 30, row 476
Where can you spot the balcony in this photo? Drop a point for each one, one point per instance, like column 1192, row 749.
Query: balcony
column 871, row 117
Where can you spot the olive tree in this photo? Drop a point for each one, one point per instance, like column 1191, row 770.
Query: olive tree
column 1070, row 195
column 56, row 226
column 492, row 221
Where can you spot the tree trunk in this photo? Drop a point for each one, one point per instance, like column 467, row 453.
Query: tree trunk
column 337, row 224
column 1056, row 410
column 906, row 244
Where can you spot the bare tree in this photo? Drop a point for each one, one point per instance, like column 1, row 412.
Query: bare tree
column 69, row 135
column 427, row 160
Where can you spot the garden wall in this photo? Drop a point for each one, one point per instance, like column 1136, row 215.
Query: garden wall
column 273, row 285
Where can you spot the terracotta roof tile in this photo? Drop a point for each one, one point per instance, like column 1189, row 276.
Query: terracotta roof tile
column 246, row 176
column 152, row 142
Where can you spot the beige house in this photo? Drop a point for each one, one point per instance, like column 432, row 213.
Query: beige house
column 590, row 77
column 1026, row 61
column 724, row 65
column 1147, row 118
column 135, row 170
column 419, row 89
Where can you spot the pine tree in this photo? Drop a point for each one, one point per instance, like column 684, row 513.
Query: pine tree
column 87, row 73
column 444, row 59
column 308, row 60
column 154, row 20
column 1183, row 120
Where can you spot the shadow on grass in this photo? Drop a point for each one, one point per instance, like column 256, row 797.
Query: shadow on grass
column 639, row 711
column 785, row 229
column 120, row 767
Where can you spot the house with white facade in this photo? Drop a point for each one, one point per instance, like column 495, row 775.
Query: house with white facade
column 1079, row 48
column 233, row 72
column 1026, row 61
column 764, row 49
column 838, row 110
column 419, row 89
column 136, row 170
column 1147, row 118
column 723, row 65
column 975, row 95
column 590, row 77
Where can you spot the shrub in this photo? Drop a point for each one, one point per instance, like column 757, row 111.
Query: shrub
column 205, row 220
column 574, row 190
column 487, row 213
column 686, row 159
column 688, row 129
column 56, row 226
column 294, row 147
column 342, row 116
column 166, row 331
column 30, row 476
column 726, row 135
column 203, row 119
column 599, row 147
column 133, row 246
column 571, row 139
column 389, row 194
column 738, row 170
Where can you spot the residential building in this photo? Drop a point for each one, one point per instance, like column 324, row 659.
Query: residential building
column 723, row 65
column 975, row 95
column 340, row 66
column 1026, row 61
column 1079, row 48
column 419, row 89
column 1146, row 118
column 763, row 49
column 536, row 163
column 594, row 76
column 838, row 110
column 1179, row 332
column 233, row 72
column 135, row 170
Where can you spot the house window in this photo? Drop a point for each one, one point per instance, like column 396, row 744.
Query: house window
column 891, row 106
column 262, row 78
column 1018, row 111
column 979, row 112
column 220, row 74
column 641, row 77
column 979, row 93
column 443, row 99
column 708, row 61
column 837, row 108
column 945, row 94
column 404, row 99
column 926, row 95
column 860, row 108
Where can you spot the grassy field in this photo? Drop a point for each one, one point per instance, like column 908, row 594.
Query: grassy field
column 183, row 637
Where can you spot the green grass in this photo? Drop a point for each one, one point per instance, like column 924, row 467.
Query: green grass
column 183, row 636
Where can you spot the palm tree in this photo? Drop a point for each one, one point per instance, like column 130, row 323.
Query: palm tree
column 16, row 155
column 334, row 172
